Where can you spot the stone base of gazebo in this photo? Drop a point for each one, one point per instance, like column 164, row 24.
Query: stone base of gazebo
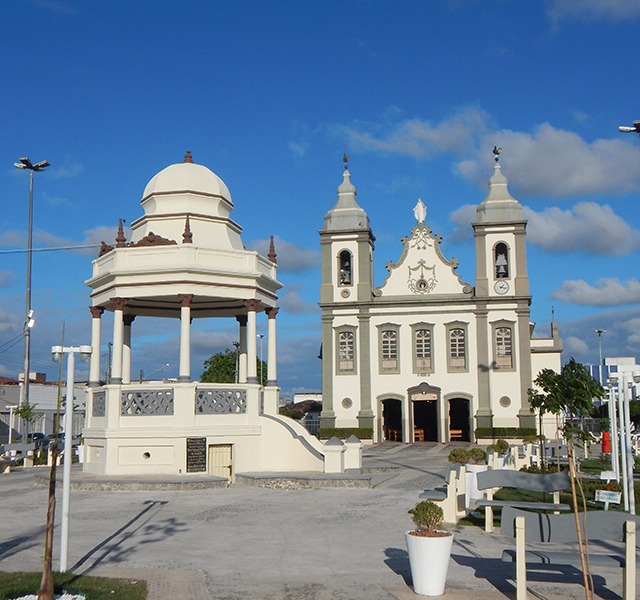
column 156, row 428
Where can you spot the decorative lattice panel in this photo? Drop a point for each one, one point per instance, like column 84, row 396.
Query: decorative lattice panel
column 146, row 402
column 218, row 402
column 99, row 404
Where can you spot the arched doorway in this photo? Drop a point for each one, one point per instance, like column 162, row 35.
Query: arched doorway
column 392, row 420
column 425, row 412
column 459, row 421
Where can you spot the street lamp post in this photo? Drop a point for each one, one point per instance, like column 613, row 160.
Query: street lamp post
column 624, row 383
column 85, row 354
column 261, row 336
column 25, row 163
column 236, row 345
column 11, row 408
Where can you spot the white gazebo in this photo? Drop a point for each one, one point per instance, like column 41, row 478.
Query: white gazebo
column 186, row 260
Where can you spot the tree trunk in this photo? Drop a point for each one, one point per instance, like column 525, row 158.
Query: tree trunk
column 586, row 574
column 46, row 584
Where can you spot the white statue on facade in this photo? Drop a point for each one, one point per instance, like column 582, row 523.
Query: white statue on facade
column 420, row 211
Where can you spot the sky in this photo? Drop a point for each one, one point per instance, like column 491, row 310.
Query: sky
column 269, row 95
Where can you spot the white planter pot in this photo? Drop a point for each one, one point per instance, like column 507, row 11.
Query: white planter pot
column 429, row 559
column 81, row 453
column 473, row 493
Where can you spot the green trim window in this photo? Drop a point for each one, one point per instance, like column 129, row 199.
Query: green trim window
column 346, row 351
column 457, row 347
column 422, row 348
column 389, row 348
column 503, row 345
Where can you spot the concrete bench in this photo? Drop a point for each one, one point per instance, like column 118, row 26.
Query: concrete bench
column 451, row 496
column 15, row 452
column 612, row 542
column 494, row 479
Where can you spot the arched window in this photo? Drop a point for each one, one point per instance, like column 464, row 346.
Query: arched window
column 389, row 339
column 504, row 348
column 423, row 349
column 501, row 261
column 345, row 268
column 457, row 349
column 346, row 351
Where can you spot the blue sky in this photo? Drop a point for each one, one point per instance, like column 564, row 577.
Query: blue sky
column 269, row 94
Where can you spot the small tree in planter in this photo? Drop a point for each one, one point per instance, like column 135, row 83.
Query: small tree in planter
column 429, row 549
column 427, row 516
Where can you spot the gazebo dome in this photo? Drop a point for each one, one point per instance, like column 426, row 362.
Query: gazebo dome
column 186, row 199
column 187, row 177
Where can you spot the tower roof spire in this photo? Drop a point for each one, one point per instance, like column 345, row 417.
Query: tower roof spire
column 346, row 214
column 499, row 205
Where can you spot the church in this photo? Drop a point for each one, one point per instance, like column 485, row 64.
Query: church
column 425, row 356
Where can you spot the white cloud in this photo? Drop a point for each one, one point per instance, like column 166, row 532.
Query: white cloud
column 293, row 302
column 606, row 292
column 557, row 163
column 415, row 137
column 586, row 227
column 13, row 238
column 7, row 278
column 547, row 162
column 298, row 149
column 290, row 257
column 463, row 217
column 593, row 10
column 67, row 171
column 573, row 346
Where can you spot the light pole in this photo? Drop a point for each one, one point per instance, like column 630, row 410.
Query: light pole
column 261, row 336
column 25, row 163
column 85, row 355
column 11, row 408
column 599, row 333
column 625, row 382
column 236, row 345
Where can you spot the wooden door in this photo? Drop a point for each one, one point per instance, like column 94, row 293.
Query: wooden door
column 219, row 461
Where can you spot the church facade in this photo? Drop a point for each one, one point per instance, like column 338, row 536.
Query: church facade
column 426, row 356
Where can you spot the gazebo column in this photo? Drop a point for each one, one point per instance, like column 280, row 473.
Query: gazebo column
column 252, row 307
column 185, row 337
column 94, row 369
column 126, row 348
column 271, row 346
column 242, row 348
column 118, row 319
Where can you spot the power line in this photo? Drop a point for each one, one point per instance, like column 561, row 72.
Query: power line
column 20, row 251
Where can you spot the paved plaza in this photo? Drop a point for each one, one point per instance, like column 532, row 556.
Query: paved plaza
column 244, row 542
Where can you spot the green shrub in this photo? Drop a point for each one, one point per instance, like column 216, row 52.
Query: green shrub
column 502, row 446
column 504, row 432
column 459, row 455
column 477, row 456
column 427, row 516
column 342, row 433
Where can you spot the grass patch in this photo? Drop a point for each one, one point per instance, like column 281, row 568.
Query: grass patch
column 18, row 584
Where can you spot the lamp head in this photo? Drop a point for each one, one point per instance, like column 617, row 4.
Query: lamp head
column 41, row 166
column 613, row 378
column 85, row 353
column 56, row 353
column 636, row 376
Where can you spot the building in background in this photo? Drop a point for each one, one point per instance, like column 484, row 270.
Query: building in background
column 43, row 396
column 425, row 355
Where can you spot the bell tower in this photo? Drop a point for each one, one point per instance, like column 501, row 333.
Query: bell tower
column 347, row 244
column 502, row 285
